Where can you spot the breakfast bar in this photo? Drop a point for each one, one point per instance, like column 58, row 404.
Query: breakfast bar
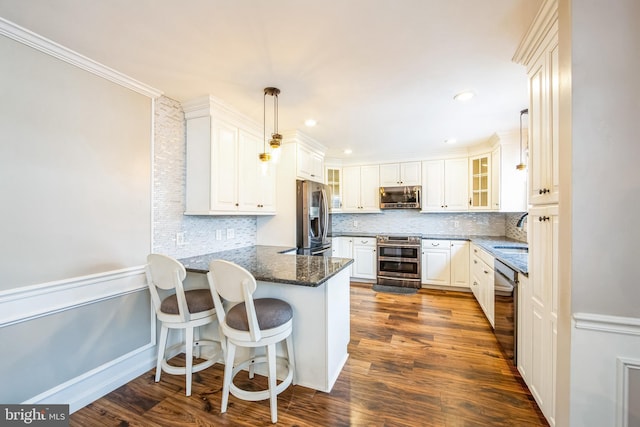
column 316, row 287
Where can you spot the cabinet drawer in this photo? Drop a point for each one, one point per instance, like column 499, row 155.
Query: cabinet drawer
column 435, row 244
column 483, row 255
column 364, row 241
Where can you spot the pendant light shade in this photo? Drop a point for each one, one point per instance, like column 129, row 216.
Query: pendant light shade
column 521, row 166
column 275, row 141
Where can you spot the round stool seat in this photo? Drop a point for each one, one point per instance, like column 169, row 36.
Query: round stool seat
column 271, row 313
column 198, row 300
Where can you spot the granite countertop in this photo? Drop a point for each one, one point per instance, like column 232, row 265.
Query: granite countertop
column 270, row 264
column 491, row 244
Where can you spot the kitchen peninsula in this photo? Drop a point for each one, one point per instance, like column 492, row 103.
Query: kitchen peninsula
column 318, row 290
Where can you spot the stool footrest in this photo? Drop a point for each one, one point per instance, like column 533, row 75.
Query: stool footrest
column 181, row 370
column 260, row 394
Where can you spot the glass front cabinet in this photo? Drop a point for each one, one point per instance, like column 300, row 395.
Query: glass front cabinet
column 480, row 176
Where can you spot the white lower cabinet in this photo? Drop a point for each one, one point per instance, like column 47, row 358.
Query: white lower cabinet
column 342, row 247
column 445, row 262
column 481, row 267
column 364, row 258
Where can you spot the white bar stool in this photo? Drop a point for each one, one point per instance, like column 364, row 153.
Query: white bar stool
column 250, row 323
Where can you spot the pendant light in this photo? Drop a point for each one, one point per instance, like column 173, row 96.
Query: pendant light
column 521, row 166
column 276, row 139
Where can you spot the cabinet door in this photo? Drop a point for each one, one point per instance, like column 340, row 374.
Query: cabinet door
column 433, row 185
column 390, row 175
column 310, row 164
column 248, row 172
column 496, row 169
column 456, row 184
column 224, row 174
column 334, row 182
column 411, row 173
column 436, row 266
column 524, row 353
column 460, row 263
column 370, row 188
column 364, row 260
column 351, row 189
column 480, row 178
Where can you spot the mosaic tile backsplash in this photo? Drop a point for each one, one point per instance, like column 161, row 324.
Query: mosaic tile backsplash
column 200, row 231
column 410, row 221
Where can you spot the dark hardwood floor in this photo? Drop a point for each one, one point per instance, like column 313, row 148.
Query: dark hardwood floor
column 428, row 359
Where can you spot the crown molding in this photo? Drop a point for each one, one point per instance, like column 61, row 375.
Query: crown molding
column 545, row 20
column 31, row 39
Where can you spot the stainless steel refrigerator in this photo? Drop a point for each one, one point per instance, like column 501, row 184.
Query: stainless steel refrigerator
column 312, row 219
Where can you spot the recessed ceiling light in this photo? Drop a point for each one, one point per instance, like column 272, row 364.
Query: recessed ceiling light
column 310, row 123
column 450, row 141
column 464, row 96
column 348, row 151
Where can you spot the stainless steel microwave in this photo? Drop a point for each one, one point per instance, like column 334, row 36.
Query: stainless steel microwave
column 405, row 197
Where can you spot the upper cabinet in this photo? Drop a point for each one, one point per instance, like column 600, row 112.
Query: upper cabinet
column 480, row 182
column 310, row 164
column 223, row 174
column 396, row 174
column 543, row 123
column 361, row 189
column 334, row 182
column 508, row 184
column 445, row 185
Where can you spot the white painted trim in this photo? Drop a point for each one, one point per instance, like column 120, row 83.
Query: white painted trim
column 31, row 39
column 622, row 397
column 21, row 304
column 606, row 323
column 90, row 386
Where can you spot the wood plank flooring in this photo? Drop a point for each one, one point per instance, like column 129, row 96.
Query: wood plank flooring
column 428, row 359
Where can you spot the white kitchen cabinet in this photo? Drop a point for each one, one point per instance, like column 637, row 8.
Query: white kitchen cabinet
column 482, row 286
column 445, row 185
column 310, row 164
column 342, row 247
column 508, row 185
column 397, row 174
column 543, row 233
column 460, row 263
column 480, row 182
column 543, row 75
column 222, row 170
column 445, row 263
column 361, row 189
column 524, row 336
column 436, row 262
column 364, row 258
column 334, row 182
column 538, row 52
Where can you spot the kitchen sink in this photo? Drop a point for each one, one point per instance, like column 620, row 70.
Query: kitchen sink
column 512, row 249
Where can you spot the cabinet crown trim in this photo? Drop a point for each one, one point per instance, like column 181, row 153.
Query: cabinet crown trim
column 543, row 22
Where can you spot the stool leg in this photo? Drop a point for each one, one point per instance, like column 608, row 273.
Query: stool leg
column 196, row 341
column 273, row 397
column 189, row 355
column 252, row 355
column 291, row 358
column 228, row 375
column 164, row 331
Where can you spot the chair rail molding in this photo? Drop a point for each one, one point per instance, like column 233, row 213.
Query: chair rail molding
column 606, row 323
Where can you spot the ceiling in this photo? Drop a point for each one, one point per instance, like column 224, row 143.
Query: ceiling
column 379, row 76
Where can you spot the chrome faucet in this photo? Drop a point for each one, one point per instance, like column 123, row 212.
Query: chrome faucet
column 520, row 222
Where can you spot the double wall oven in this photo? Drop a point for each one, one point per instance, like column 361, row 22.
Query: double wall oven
column 399, row 260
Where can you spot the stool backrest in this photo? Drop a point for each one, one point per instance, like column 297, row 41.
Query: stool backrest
column 166, row 273
column 235, row 285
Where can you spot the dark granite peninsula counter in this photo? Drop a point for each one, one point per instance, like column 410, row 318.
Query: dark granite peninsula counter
column 317, row 289
column 273, row 264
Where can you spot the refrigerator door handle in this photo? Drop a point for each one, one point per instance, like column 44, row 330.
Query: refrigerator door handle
column 325, row 216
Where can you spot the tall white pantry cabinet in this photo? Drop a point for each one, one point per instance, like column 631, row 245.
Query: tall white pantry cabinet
column 538, row 306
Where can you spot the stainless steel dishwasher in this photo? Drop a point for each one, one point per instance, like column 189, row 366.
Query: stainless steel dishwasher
column 506, row 306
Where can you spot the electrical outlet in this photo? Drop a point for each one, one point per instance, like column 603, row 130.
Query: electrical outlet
column 230, row 233
column 218, row 234
column 180, row 239
column 355, row 223
column 456, row 224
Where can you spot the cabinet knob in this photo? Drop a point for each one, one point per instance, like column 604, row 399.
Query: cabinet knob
column 543, row 218
column 435, row 244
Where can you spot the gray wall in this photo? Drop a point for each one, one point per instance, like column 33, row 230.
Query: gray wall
column 75, row 180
